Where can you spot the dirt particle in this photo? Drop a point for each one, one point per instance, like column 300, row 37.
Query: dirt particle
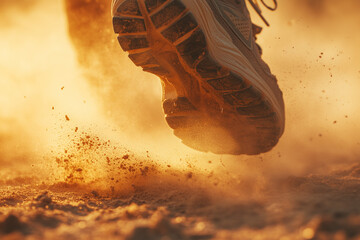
column 125, row 157
column 67, row 118
column 43, row 200
column 95, row 193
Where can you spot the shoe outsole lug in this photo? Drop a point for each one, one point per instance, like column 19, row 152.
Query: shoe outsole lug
column 128, row 25
column 178, row 105
column 182, row 122
column 128, row 43
column 176, row 122
column 159, row 71
column 143, row 59
column 152, row 5
column 231, row 82
column 260, row 109
column 243, row 98
column 193, row 48
column 263, row 121
column 168, row 13
column 184, row 25
column 189, row 56
column 208, row 68
column 129, row 8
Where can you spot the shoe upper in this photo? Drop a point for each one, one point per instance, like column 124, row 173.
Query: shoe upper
column 234, row 18
column 237, row 16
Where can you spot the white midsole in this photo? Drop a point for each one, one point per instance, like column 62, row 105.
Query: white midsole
column 222, row 48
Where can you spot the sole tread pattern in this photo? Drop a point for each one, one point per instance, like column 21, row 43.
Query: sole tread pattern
column 128, row 25
column 157, row 70
column 129, row 8
column 260, row 109
column 228, row 83
column 178, row 26
column 178, row 105
column 209, row 69
column 168, row 13
column 243, row 98
column 143, row 59
column 177, row 30
column 152, row 5
column 128, row 43
column 193, row 48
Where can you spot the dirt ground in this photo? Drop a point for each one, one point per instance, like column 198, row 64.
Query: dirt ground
column 85, row 152
column 176, row 205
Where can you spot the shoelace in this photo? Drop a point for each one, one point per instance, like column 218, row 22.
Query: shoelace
column 256, row 7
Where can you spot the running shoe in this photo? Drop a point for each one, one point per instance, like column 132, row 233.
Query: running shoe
column 218, row 94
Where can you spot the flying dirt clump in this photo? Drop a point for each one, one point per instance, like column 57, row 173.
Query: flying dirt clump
column 88, row 159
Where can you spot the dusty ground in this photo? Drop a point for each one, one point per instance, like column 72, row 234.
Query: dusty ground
column 176, row 205
column 86, row 154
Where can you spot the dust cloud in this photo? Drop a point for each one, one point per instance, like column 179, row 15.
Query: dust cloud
column 84, row 144
column 312, row 48
column 316, row 70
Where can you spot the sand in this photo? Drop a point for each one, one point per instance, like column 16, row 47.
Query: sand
column 166, row 205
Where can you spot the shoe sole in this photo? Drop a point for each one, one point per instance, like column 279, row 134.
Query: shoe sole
column 214, row 109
